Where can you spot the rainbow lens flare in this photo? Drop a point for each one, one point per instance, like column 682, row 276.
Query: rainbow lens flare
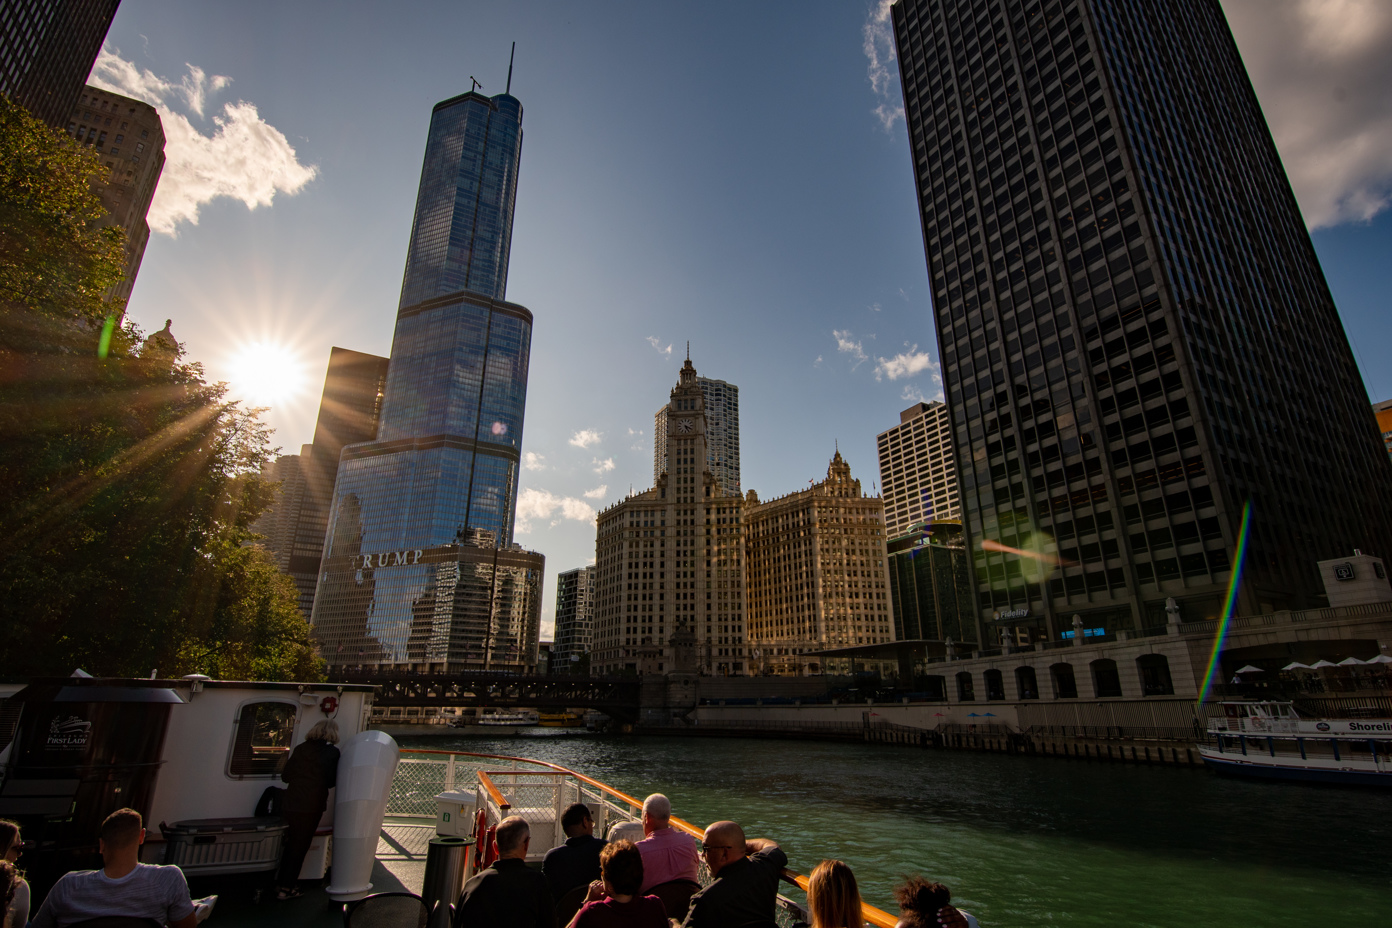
column 1229, row 602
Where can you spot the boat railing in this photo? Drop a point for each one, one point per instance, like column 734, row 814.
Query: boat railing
column 539, row 791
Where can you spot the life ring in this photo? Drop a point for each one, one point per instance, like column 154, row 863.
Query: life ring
column 480, row 834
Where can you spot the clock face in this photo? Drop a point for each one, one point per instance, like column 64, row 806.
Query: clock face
column 684, row 426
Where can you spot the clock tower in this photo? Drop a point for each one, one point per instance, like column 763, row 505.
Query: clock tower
column 669, row 561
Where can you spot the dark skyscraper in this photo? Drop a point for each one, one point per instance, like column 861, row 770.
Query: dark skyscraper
column 1134, row 329
column 442, row 470
column 47, row 49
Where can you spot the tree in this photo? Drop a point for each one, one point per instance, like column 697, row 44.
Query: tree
column 56, row 256
column 128, row 485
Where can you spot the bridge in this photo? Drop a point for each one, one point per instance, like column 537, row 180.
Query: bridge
column 618, row 697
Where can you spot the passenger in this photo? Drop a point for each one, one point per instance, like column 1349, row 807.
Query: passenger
column 668, row 854
column 745, row 885
column 833, row 898
column 925, row 905
column 122, row 887
column 508, row 893
column 17, row 912
column 309, row 774
column 575, row 863
column 614, row 901
column 9, row 883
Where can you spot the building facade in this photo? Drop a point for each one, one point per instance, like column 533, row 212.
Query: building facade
column 443, row 465
column 47, row 49
column 722, row 437
column 128, row 136
column 574, row 619
column 817, row 572
column 1102, row 205
column 931, row 592
column 1383, row 412
column 276, row 526
column 349, row 410
column 669, row 562
column 918, row 474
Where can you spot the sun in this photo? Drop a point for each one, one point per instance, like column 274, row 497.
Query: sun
column 266, row 374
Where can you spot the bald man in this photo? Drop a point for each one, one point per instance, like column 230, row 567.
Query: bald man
column 745, row 884
column 668, row 854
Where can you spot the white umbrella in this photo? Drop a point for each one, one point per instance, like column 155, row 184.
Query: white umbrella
column 1318, row 664
column 1250, row 669
column 1296, row 665
column 1351, row 662
column 1380, row 659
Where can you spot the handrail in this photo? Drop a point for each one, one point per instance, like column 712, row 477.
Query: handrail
column 872, row 915
column 493, row 791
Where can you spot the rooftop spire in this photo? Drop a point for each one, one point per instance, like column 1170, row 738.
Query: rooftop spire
column 510, row 59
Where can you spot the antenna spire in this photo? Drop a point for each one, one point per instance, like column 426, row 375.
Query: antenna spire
column 688, row 349
column 475, row 84
column 510, row 58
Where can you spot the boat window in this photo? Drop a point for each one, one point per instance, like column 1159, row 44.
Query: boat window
column 262, row 739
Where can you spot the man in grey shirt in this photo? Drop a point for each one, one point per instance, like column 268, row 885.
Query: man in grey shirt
column 123, row 886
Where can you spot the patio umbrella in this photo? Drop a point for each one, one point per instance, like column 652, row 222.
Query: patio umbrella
column 1380, row 659
column 1296, row 665
column 973, row 715
column 1351, row 662
column 1250, row 669
column 1319, row 664
column 985, row 714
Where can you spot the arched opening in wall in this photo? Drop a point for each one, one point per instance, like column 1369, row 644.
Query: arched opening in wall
column 934, row 687
column 1065, row 684
column 995, row 684
column 1155, row 675
column 1105, row 679
column 966, row 692
column 1025, row 680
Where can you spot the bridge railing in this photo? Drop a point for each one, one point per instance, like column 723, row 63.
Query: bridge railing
column 539, row 791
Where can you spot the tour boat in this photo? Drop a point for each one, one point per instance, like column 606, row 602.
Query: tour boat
column 508, row 718
column 195, row 756
column 1269, row 739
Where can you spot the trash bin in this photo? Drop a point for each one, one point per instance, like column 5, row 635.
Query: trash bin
column 224, row 845
column 454, row 813
column 445, row 861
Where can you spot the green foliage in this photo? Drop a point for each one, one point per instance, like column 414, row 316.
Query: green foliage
column 56, row 256
column 128, row 485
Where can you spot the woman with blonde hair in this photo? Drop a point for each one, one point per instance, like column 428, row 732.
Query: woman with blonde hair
column 309, row 774
column 833, row 899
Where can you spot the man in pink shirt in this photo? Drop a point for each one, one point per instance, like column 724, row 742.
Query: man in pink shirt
column 668, row 854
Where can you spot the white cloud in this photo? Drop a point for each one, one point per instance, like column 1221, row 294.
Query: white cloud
column 905, row 364
column 533, row 461
column 598, row 492
column 818, row 362
column 245, row 158
column 586, row 437
column 1321, row 69
column 848, row 345
column 912, row 394
column 875, row 307
column 543, row 504
column 604, row 466
column 878, row 35
column 657, row 344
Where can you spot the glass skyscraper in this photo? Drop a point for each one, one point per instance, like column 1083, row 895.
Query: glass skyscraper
column 1135, row 332
column 442, row 471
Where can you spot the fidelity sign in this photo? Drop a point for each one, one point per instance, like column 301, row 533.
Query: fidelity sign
column 388, row 559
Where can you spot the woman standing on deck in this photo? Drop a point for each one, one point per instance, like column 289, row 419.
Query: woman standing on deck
column 309, row 774
column 17, row 908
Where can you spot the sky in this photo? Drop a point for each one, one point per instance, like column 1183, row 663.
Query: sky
column 734, row 175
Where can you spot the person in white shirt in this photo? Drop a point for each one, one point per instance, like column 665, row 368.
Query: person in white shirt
column 123, row 886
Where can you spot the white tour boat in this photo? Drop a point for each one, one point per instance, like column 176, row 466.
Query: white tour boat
column 1269, row 739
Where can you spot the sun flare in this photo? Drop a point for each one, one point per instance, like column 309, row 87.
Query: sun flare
column 266, row 374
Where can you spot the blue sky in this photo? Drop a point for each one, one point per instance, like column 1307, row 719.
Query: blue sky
column 719, row 172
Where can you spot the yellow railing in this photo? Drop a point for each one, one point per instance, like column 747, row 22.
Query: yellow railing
column 872, row 915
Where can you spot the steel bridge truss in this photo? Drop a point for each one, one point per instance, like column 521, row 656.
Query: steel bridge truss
column 618, row 697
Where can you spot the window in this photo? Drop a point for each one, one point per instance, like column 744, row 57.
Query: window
column 144, row 133
column 140, row 146
column 261, row 741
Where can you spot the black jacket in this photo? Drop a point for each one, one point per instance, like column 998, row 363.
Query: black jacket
column 309, row 774
column 508, row 894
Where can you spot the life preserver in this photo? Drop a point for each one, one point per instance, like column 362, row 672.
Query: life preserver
column 490, row 851
column 480, row 834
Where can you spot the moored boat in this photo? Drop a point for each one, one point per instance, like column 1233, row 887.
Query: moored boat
column 1268, row 739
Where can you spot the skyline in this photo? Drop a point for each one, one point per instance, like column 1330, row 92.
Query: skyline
column 650, row 214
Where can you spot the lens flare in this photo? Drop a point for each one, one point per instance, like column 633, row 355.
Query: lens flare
column 1221, row 634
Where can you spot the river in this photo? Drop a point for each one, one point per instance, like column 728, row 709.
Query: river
column 1021, row 841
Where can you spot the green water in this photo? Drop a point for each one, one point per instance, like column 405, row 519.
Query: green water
column 1021, row 841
